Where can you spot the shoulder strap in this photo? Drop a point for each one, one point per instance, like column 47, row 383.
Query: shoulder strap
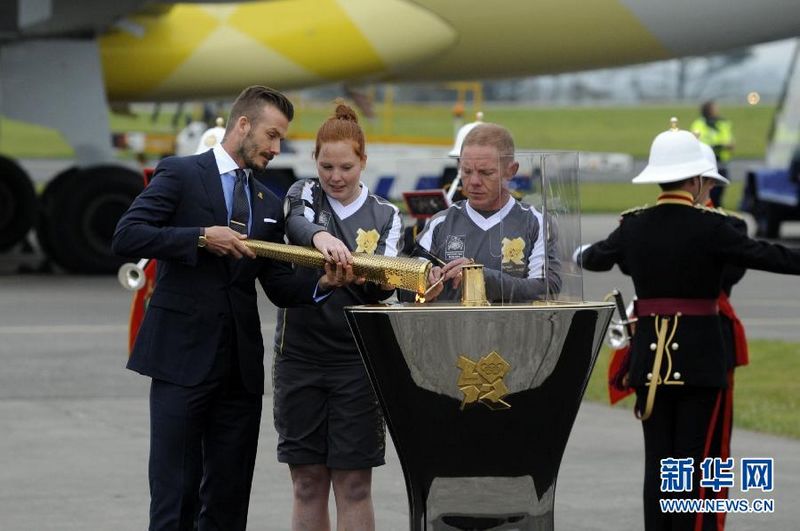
column 634, row 210
column 717, row 211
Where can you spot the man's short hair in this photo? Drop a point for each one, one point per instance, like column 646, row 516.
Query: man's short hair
column 674, row 185
column 252, row 100
column 489, row 134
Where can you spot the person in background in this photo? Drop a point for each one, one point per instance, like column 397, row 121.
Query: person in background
column 330, row 428
column 200, row 341
column 710, row 128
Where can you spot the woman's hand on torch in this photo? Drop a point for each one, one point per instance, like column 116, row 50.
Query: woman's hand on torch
column 332, row 248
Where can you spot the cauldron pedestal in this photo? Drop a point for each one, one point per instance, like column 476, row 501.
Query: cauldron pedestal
column 480, row 402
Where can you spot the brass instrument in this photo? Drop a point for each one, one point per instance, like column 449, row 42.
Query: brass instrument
column 617, row 338
column 405, row 273
column 620, row 330
column 131, row 275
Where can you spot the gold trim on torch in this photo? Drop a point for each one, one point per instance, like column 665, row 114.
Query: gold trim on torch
column 405, row 273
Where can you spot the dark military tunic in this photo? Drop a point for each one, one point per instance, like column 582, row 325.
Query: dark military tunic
column 677, row 251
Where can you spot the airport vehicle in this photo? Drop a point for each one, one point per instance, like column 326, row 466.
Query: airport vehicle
column 61, row 62
column 772, row 193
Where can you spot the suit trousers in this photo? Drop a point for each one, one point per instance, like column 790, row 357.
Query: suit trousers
column 203, row 442
column 682, row 425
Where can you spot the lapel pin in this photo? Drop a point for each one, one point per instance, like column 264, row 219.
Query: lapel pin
column 260, row 195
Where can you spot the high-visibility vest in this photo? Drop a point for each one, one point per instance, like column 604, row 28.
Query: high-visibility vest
column 718, row 138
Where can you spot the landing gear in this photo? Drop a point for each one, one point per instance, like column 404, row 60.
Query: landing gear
column 79, row 211
column 17, row 204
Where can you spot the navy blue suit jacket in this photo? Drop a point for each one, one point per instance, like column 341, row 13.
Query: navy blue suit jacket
column 197, row 291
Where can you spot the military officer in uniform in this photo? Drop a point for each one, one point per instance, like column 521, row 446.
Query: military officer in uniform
column 676, row 253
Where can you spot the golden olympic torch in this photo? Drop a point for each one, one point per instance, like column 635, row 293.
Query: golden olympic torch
column 405, row 273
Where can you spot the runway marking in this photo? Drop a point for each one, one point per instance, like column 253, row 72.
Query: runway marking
column 62, row 329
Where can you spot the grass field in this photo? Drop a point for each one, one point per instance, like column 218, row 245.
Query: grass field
column 613, row 129
column 766, row 392
column 620, row 196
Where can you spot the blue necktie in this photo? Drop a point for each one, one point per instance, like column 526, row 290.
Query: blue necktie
column 240, row 212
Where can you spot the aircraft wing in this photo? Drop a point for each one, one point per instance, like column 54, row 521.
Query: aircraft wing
column 25, row 19
column 21, row 19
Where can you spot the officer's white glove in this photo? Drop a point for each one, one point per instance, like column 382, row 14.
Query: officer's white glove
column 576, row 256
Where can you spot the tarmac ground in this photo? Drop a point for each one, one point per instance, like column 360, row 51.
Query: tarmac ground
column 75, row 434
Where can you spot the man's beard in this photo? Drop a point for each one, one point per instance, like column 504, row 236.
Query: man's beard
column 249, row 147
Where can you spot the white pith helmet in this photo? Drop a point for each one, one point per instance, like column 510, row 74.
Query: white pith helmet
column 674, row 155
column 462, row 134
column 708, row 153
column 211, row 137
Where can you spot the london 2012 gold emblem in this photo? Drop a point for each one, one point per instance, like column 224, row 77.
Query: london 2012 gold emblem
column 367, row 241
column 513, row 250
column 482, row 381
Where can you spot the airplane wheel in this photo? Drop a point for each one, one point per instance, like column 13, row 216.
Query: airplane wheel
column 17, row 203
column 55, row 189
column 80, row 212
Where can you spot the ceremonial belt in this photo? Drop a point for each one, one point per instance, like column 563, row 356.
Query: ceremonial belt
column 739, row 338
column 676, row 307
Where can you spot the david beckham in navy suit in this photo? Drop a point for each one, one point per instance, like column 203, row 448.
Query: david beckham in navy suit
column 200, row 340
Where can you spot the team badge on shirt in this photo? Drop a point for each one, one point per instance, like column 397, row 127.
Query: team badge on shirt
column 324, row 218
column 454, row 247
column 367, row 241
column 513, row 250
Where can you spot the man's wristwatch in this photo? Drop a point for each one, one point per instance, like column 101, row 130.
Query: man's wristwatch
column 202, row 241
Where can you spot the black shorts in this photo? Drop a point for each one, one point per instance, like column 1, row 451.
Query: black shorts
column 326, row 415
